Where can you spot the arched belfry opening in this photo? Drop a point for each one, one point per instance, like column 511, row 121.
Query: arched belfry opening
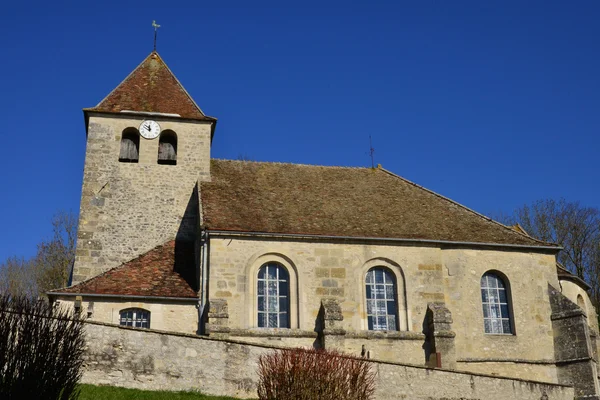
column 130, row 146
column 167, row 148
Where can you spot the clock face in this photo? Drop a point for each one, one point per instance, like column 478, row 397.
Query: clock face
column 149, row 129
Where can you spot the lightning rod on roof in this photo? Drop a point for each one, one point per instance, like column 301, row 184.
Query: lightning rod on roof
column 155, row 26
column 371, row 152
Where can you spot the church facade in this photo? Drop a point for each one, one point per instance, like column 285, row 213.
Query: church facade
column 357, row 259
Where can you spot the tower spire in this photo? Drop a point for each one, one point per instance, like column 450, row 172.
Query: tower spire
column 155, row 26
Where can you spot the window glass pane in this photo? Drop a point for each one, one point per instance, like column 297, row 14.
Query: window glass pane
column 272, row 304
column 283, row 275
column 493, row 296
column 370, row 277
column 272, row 272
column 370, row 323
column 494, row 311
column 506, row 326
column 382, row 323
column 283, row 320
column 261, row 287
column 379, row 275
column 484, row 281
column 496, row 326
column 261, row 303
column 492, row 281
column 370, row 307
column 379, row 292
column 262, row 320
column 391, row 308
column 381, row 307
column 283, row 304
column 261, row 272
column 370, row 292
column 272, row 286
column 502, row 296
column 389, row 292
column 392, row 323
column 283, row 288
column 499, row 283
column 487, row 325
column 486, row 311
column 484, row 295
column 272, row 320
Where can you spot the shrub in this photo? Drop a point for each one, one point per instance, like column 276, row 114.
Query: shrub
column 41, row 350
column 298, row 374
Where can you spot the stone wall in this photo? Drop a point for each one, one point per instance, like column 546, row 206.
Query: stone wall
column 424, row 274
column 129, row 208
column 157, row 360
column 165, row 315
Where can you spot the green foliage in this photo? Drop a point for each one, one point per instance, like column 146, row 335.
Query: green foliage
column 299, row 374
column 91, row 392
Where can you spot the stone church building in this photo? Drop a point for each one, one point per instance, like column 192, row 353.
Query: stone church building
column 357, row 259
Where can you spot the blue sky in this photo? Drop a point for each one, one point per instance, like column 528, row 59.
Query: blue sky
column 493, row 104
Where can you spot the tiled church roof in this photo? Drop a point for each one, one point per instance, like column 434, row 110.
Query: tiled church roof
column 340, row 201
column 165, row 271
column 151, row 87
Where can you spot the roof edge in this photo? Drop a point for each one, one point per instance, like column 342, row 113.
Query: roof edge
column 205, row 118
column 154, row 52
column 122, row 296
column 469, row 209
column 569, row 276
column 225, row 232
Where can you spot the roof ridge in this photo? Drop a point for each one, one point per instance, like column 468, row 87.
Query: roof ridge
column 465, row 207
column 291, row 163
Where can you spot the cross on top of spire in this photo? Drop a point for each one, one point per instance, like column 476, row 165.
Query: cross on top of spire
column 155, row 26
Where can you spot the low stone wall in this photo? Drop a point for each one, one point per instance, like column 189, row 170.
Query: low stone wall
column 148, row 359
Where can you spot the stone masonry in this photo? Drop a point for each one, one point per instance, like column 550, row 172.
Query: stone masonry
column 130, row 208
column 148, row 359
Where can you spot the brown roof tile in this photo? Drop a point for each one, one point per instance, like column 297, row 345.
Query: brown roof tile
column 151, row 87
column 165, row 271
column 339, row 201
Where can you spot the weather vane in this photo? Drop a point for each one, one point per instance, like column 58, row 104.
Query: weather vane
column 371, row 152
column 155, row 26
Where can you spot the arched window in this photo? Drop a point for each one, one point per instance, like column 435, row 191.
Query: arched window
column 130, row 146
column 273, row 296
column 135, row 317
column 382, row 309
column 496, row 304
column 167, row 148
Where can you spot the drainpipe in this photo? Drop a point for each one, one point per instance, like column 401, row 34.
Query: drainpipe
column 202, row 302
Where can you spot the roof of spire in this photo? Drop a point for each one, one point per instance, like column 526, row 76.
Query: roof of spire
column 152, row 87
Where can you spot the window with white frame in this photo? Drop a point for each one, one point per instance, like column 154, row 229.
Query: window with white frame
column 382, row 309
column 135, row 317
column 496, row 305
column 273, row 296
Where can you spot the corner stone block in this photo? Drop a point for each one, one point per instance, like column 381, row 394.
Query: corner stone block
column 218, row 319
column 439, row 335
column 330, row 324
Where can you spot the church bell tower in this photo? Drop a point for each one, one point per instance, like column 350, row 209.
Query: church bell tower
column 148, row 145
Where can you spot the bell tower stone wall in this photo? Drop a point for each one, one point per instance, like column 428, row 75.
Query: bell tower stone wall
column 129, row 208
